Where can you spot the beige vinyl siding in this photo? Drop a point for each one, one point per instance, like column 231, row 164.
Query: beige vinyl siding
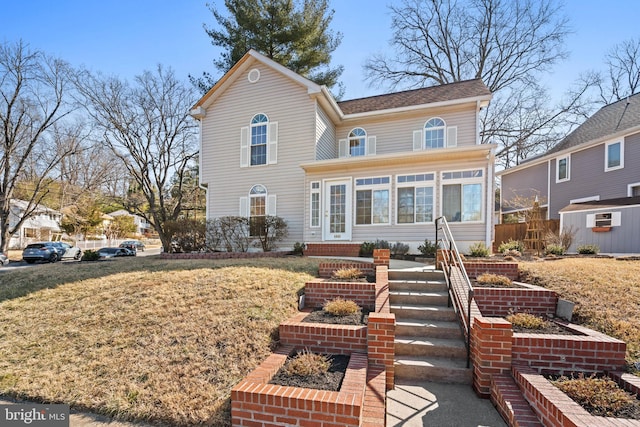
column 395, row 134
column 284, row 102
column 412, row 234
column 326, row 147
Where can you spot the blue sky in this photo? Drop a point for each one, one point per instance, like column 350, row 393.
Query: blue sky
column 126, row 37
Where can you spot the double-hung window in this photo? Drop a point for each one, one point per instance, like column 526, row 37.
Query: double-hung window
column 357, row 142
column 614, row 156
column 257, row 209
column 259, row 125
column 462, row 195
column 563, row 169
column 372, row 200
column 434, row 133
column 415, row 198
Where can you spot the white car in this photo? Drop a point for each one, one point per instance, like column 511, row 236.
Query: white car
column 66, row 251
column 4, row 259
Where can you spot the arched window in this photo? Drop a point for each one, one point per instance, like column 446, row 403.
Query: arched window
column 434, row 133
column 357, row 141
column 257, row 209
column 259, row 128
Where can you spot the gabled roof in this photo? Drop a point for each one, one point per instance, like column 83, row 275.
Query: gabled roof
column 428, row 95
column 609, row 120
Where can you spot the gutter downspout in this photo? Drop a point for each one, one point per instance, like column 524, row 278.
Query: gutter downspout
column 490, row 196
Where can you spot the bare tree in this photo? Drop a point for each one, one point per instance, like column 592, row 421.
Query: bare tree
column 33, row 103
column 506, row 43
column 148, row 128
column 622, row 77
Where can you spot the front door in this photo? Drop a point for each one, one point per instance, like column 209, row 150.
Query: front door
column 337, row 210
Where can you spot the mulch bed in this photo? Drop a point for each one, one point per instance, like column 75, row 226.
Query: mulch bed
column 320, row 316
column 552, row 328
column 331, row 380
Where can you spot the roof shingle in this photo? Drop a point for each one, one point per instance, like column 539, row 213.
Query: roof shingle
column 427, row 95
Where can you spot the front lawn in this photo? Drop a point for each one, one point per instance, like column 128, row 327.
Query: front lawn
column 606, row 293
column 143, row 339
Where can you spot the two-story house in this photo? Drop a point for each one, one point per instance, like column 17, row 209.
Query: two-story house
column 589, row 179
column 42, row 224
column 344, row 172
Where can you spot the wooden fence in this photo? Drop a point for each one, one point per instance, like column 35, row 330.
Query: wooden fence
column 518, row 231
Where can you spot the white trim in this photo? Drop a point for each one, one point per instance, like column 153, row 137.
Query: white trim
column 348, row 181
column 568, row 168
column 606, row 155
column 253, row 75
column 371, row 187
column 317, row 191
column 630, row 188
column 420, row 184
column 585, row 199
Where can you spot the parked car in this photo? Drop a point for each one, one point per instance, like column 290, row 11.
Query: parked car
column 133, row 244
column 115, row 252
column 65, row 250
column 42, row 251
column 4, row 259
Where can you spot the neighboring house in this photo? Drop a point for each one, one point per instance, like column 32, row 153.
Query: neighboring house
column 345, row 172
column 592, row 170
column 142, row 226
column 42, row 225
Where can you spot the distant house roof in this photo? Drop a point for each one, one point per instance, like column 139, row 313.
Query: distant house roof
column 428, row 95
column 610, row 119
column 599, row 204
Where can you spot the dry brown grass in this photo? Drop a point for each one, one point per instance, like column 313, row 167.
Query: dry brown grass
column 143, row 339
column 606, row 293
column 341, row 307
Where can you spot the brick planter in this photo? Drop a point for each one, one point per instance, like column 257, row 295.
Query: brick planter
column 254, row 402
column 504, row 268
column 523, row 297
column 318, row 292
column 554, row 408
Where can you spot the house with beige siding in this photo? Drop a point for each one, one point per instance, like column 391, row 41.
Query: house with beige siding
column 344, row 172
column 590, row 180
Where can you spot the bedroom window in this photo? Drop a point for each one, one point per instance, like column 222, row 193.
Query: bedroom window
column 462, row 195
column 357, row 142
column 259, row 125
column 614, row 156
column 434, row 133
column 563, row 169
column 415, row 198
column 372, row 200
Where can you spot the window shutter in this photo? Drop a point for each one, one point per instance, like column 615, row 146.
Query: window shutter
column 272, row 150
column 343, row 148
column 452, row 136
column 616, row 219
column 244, row 147
column 417, row 140
column 371, row 146
column 271, row 205
column 591, row 220
column 244, row 207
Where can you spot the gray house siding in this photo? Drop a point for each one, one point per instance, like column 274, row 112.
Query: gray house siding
column 588, row 177
column 524, row 185
column 622, row 239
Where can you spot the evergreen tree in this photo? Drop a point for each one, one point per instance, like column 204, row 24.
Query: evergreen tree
column 294, row 33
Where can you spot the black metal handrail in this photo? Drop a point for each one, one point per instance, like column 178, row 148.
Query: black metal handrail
column 450, row 260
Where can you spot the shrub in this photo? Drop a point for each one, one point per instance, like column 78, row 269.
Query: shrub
column 366, row 249
column 478, row 250
column 493, row 279
column 269, row 230
column 428, row 249
column 298, row 248
column 554, row 249
column 307, row 364
column 564, row 239
column 341, row 307
column 512, row 253
column 382, row 244
column 527, row 320
column 399, row 249
column 588, row 249
column 90, row 255
column 600, row 396
column 347, row 274
column 516, row 245
column 230, row 233
column 187, row 235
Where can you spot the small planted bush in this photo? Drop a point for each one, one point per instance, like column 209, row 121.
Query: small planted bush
column 588, row 249
column 478, row 250
column 366, row 249
column 554, row 249
column 341, row 307
column 511, row 245
column 90, row 255
column 428, row 249
column 298, row 248
column 306, row 364
column 527, row 321
column 493, row 280
column 347, row 274
column 399, row 249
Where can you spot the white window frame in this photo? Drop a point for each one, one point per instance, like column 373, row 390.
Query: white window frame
column 462, row 182
column 416, row 184
column 253, row 126
column 568, row 177
column 442, row 128
column 271, row 144
column 372, row 188
column 361, row 138
column 312, row 192
column 606, row 155
column 630, row 188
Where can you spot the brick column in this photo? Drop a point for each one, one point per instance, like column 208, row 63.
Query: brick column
column 491, row 342
column 381, row 330
column 381, row 257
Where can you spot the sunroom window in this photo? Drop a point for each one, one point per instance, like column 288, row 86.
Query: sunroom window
column 372, row 200
column 415, row 198
column 462, row 195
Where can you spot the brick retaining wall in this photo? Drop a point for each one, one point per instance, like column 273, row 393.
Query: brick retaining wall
column 326, row 269
column 316, row 293
column 332, row 249
column 503, row 301
column 476, row 268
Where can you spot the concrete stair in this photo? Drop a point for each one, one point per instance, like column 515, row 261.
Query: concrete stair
column 429, row 344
